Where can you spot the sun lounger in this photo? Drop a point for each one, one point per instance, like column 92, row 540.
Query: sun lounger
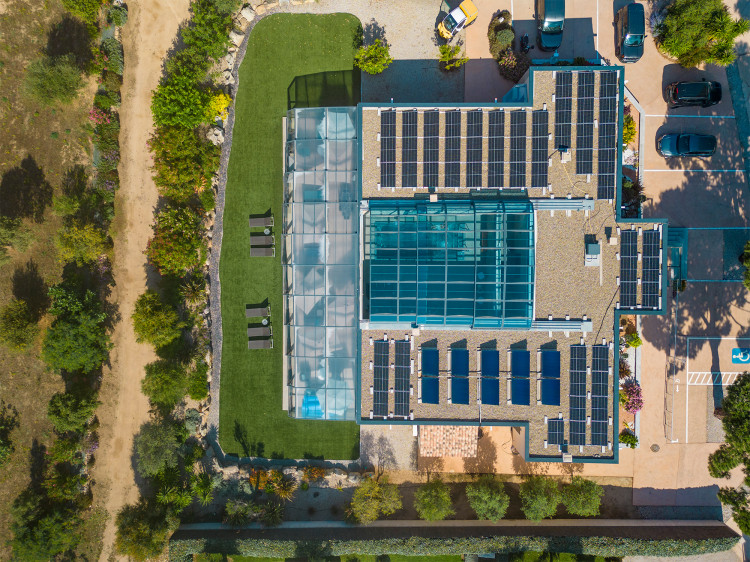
column 259, row 331
column 258, row 311
column 430, row 374
column 261, row 240
column 260, row 344
column 490, row 368
column 550, row 380
column 520, row 361
column 256, row 222
column 459, row 376
column 262, row 252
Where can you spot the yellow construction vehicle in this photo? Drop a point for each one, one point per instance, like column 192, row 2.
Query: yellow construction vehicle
column 457, row 19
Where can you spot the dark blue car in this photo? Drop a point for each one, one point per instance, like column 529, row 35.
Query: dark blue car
column 630, row 32
column 686, row 144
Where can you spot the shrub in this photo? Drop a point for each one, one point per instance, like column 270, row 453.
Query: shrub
column 39, row 533
column 499, row 42
column 280, row 485
column 117, row 15
column 156, row 447
column 106, row 100
column 81, row 243
column 628, row 438
column 372, row 499
column 180, row 101
column 633, row 340
column 540, row 497
column 725, row 459
column 628, row 130
column 202, row 486
column 164, row 383
column 70, row 412
column 487, row 498
column 373, row 59
column 433, row 501
column 582, row 497
column 218, row 106
column 632, row 198
column 505, row 38
column 696, row 32
column 17, row 326
column 315, row 473
column 197, row 385
column 450, row 58
column 238, row 512
column 177, row 245
column 141, row 531
column 513, row 66
column 112, row 49
column 272, row 513
column 53, row 80
column 633, row 397
column 155, row 321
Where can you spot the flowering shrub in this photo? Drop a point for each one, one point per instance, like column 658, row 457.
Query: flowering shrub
column 98, row 116
column 632, row 397
column 513, row 65
column 313, row 473
column 258, row 478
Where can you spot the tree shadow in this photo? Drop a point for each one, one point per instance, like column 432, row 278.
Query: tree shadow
column 377, row 454
column 38, row 464
column 24, row 191
column 29, row 286
column 70, row 36
column 484, row 462
column 249, row 448
column 372, row 31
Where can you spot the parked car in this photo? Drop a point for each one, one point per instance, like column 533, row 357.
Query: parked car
column 457, row 19
column 630, row 32
column 686, row 144
column 704, row 93
column 550, row 20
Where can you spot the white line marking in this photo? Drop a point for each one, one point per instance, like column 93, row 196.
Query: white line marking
column 696, row 170
column 668, row 115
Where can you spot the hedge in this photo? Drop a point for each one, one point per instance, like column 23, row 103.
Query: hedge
column 182, row 550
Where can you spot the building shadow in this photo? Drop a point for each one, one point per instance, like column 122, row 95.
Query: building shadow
column 413, row 81
column 578, row 40
column 325, row 89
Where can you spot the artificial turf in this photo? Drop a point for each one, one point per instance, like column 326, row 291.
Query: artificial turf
column 291, row 60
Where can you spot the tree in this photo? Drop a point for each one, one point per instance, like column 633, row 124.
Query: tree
column 177, row 245
column 141, row 531
column 8, row 422
column 81, row 243
column 582, row 497
column 696, row 32
column 155, row 321
column 77, row 344
column 156, row 447
column 164, row 383
column 39, row 533
column 373, row 59
column 540, row 497
column 373, row 499
column 433, row 501
column 53, row 80
column 70, row 412
column 17, row 326
column 487, row 498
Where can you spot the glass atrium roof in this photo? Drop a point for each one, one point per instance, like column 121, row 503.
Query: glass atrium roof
column 451, row 263
column 321, row 222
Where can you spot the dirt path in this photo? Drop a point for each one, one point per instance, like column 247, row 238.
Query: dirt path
column 149, row 33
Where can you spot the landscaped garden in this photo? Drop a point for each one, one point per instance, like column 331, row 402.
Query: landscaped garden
column 282, row 50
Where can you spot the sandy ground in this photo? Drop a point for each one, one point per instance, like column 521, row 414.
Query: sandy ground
column 151, row 28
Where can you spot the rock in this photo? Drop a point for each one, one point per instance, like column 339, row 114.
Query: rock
column 283, row 2
column 231, row 470
column 260, row 9
column 248, row 14
column 254, row 4
column 215, row 135
column 354, row 478
column 338, row 472
column 236, row 37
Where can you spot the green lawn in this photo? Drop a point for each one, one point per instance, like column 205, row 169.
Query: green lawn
column 291, row 60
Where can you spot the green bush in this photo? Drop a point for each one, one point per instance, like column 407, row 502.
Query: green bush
column 112, row 49
column 87, row 10
column 628, row 130
column 582, row 497
column 487, row 498
column 141, row 531
column 373, row 59
column 450, row 58
column 697, row 32
column 18, row 328
column 180, row 101
column 155, row 321
column 433, row 501
column 505, row 38
column 499, row 42
column 177, row 244
column 197, row 386
column 164, row 384
column 53, row 80
column 106, row 100
column 81, row 243
column 633, row 340
column 372, row 499
column 628, row 438
column 71, row 412
column 42, row 532
column 272, row 513
column 540, row 497
column 239, row 512
column 117, row 15
column 156, row 447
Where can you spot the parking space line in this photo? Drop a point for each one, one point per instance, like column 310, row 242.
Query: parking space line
column 667, row 115
column 695, row 170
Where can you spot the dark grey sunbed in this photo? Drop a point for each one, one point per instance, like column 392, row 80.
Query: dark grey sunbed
column 262, row 252
column 260, row 344
column 259, row 331
column 258, row 311
column 256, row 222
column 261, row 240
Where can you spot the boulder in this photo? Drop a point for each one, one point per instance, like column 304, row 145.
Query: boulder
column 247, row 13
column 231, row 470
column 354, row 478
column 215, row 135
column 255, row 3
column 338, row 472
column 236, row 37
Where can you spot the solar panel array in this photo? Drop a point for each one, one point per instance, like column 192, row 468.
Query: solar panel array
column 403, row 371
column 585, row 124
column 651, row 268
column 517, row 149
column 563, row 108
column 496, row 153
column 453, row 148
column 474, row 148
column 431, row 148
column 629, row 269
column 388, row 148
column 409, row 149
column 539, row 148
column 607, row 168
column 380, row 384
column 577, row 394
column 555, row 432
column 599, row 400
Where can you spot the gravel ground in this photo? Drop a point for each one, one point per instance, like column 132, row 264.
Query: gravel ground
column 388, row 447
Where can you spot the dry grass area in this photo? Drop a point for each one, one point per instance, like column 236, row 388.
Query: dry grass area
column 38, row 144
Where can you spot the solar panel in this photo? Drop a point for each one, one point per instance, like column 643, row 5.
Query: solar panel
column 409, row 148
column 585, row 123
column 555, row 432
column 628, row 269
column 577, row 394
column 388, row 148
column 550, row 383
column 599, row 394
column 380, row 372
column 460, row 376
column 607, row 169
column 517, row 149
column 453, row 148
column 431, row 147
column 563, row 108
column 430, row 376
column 539, row 148
column 403, row 372
column 474, row 148
column 496, row 152
column 651, row 268
column 490, row 377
